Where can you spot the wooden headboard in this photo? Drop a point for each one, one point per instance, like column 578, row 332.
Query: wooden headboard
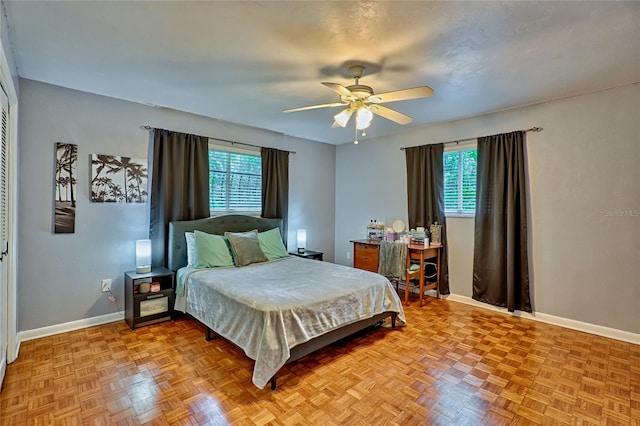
column 177, row 255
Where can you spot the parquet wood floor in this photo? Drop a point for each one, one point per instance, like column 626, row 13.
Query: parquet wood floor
column 452, row 364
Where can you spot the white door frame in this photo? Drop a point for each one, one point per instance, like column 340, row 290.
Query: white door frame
column 12, row 264
column 4, row 224
column 10, row 310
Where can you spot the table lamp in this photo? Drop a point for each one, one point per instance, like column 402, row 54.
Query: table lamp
column 143, row 256
column 302, row 240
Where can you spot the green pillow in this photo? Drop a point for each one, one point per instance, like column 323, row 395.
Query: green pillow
column 245, row 247
column 211, row 251
column 271, row 244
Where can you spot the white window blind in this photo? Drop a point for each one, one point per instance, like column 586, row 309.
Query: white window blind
column 235, row 181
column 460, row 168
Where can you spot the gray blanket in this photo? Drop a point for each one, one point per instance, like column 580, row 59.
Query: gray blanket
column 392, row 260
column 268, row 308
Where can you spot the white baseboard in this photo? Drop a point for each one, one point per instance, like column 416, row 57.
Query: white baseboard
column 599, row 330
column 37, row 333
column 16, row 350
column 3, row 368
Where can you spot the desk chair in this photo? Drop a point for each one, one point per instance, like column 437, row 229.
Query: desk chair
column 413, row 277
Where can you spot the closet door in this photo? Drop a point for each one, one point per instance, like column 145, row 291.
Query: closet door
column 4, row 227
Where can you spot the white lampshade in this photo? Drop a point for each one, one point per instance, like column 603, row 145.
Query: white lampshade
column 363, row 118
column 143, row 256
column 302, row 240
column 343, row 117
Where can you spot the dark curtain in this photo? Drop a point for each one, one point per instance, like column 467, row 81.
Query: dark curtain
column 179, row 185
column 500, row 260
column 425, row 195
column 275, row 186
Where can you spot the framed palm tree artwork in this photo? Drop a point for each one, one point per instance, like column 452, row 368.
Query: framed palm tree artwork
column 64, row 221
column 118, row 179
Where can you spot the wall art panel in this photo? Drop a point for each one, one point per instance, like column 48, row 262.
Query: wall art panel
column 65, row 188
column 118, row 179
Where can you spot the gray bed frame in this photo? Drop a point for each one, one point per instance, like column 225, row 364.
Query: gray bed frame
column 177, row 258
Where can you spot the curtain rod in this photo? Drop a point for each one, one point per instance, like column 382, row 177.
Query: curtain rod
column 147, row 127
column 532, row 129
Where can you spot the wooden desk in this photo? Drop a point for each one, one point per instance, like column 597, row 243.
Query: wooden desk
column 366, row 256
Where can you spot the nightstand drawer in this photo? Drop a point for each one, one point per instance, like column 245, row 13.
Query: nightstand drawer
column 154, row 304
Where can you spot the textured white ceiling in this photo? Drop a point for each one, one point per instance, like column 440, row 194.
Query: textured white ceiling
column 245, row 62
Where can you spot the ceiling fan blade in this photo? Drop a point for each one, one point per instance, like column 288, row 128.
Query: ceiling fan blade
column 339, row 89
column 334, row 104
column 402, row 95
column 390, row 114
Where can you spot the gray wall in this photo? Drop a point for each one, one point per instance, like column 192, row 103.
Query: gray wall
column 584, row 201
column 59, row 275
column 583, row 171
column 8, row 48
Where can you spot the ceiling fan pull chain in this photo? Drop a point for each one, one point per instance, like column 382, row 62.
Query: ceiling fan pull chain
column 355, row 142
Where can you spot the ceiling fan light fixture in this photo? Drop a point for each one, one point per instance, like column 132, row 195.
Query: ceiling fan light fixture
column 363, row 118
column 361, row 100
column 343, row 118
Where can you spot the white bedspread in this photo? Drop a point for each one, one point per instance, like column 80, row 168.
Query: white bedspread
column 268, row 308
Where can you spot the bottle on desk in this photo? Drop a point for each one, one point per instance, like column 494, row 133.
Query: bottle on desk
column 379, row 230
column 375, row 230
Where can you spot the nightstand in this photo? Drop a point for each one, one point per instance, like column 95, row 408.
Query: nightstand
column 148, row 297
column 308, row 254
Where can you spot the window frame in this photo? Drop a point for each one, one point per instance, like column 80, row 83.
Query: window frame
column 459, row 147
column 244, row 151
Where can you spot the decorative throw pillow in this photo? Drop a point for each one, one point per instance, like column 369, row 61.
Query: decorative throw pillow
column 245, row 247
column 191, row 248
column 272, row 245
column 211, row 251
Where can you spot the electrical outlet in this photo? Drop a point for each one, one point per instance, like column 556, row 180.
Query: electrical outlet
column 106, row 285
column 348, row 255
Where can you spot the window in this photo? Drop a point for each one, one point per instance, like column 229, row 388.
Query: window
column 235, row 181
column 460, row 182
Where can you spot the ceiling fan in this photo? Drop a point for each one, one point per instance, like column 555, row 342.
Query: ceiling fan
column 362, row 101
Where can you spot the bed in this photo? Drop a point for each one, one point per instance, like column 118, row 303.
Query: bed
column 279, row 310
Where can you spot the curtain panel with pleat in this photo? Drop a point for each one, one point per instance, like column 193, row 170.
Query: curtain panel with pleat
column 275, row 186
column 425, row 196
column 500, row 261
column 179, row 185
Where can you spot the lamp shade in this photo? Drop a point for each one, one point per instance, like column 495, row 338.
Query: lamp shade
column 143, row 256
column 343, row 117
column 301, row 239
column 363, row 118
